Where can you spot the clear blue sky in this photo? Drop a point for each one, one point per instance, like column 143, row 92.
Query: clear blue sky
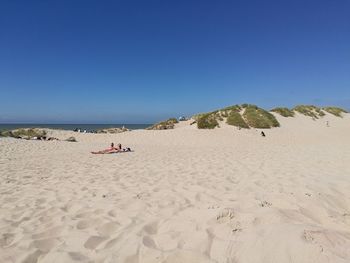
column 143, row 61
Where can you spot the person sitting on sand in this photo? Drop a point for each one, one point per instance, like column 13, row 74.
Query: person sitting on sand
column 111, row 149
column 121, row 149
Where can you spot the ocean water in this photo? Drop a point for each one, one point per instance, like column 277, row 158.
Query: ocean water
column 82, row 127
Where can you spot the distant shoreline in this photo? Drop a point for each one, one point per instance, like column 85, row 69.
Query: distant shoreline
column 70, row 127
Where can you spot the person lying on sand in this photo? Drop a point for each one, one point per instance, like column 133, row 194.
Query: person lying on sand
column 111, row 149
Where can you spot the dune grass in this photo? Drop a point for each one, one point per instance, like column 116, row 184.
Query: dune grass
column 259, row 118
column 210, row 120
column 228, row 109
column 336, row 111
column 164, row 125
column 236, row 119
column 23, row 133
column 207, row 121
column 309, row 110
column 285, row 112
column 253, row 116
column 6, row 133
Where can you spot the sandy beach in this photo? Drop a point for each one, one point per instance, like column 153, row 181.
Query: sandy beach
column 183, row 195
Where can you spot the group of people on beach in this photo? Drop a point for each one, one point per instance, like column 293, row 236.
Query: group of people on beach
column 113, row 149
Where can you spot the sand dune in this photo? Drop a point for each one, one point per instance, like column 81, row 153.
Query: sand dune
column 183, row 195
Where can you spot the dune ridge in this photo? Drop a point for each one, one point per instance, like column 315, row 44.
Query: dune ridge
column 183, row 195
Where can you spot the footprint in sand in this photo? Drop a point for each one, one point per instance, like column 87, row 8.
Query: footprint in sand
column 108, row 228
column 23, row 220
column 83, row 224
column 33, row 257
column 6, row 239
column 149, row 242
column 77, row 256
column 45, row 245
column 52, row 232
column 93, row 242
column 151, row 228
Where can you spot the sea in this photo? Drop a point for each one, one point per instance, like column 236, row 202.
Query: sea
column 71, row 127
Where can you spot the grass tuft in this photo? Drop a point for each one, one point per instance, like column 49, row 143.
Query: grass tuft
column 285, row 112
column 309, row 110
column 164, row 125
column 237, row 120
column 335, row 111
column 253, row 117
column 207, row 121
column 259, row 118
column 23, row 133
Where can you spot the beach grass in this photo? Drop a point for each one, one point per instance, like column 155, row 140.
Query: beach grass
column 336, row 111
column 207, row 121
column 285, row 112
column 310, row 111
column 253, row 116
column 164, row 125
column 23, row 133
column 259, row 118
column 236, row 119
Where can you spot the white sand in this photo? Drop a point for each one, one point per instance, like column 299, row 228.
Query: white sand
column 184, row 195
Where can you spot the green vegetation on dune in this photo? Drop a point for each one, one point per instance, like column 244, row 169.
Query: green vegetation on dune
column 259, row 118
column 285, row 112
column 24, row 133
column 335, row 111
column 207, row 121
column 253, row 116
column 6, row 133
column 210, row 120
column 164, row 125
column 229, row 109
column 246, row 105
column 236, row 119
column 309, row 110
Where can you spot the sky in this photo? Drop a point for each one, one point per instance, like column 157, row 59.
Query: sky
column 86, row 61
